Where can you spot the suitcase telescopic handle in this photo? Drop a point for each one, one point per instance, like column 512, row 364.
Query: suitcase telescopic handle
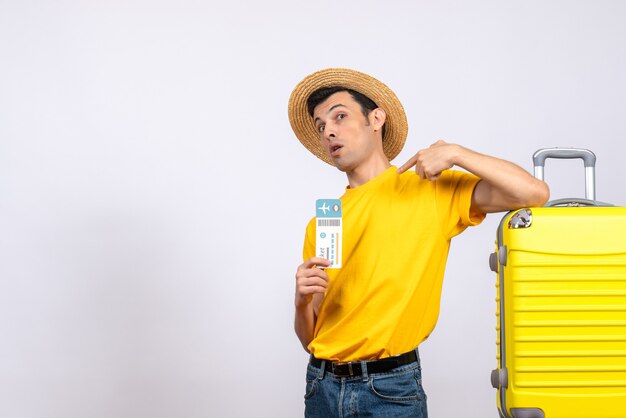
column 589, row 158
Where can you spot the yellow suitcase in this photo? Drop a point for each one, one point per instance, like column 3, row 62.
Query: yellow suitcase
column 561, row 306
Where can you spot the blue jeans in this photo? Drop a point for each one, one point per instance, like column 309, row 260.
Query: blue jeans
column 397, row 393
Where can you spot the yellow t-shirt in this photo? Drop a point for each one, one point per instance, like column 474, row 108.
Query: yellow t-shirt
column 385, row 299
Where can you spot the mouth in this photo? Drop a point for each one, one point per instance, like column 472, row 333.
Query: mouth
column 334, row 149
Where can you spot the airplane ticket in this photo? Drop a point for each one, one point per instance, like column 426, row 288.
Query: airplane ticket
column 328, row 237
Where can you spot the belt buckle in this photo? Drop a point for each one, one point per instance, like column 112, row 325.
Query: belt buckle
column 343, row 363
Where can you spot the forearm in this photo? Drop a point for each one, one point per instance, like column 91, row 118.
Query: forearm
column 304, row 324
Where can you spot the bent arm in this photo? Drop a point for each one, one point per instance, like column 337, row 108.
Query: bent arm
column 311, row 283
column 503, row 185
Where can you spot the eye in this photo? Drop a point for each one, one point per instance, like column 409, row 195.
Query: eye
column 320, row 127
column 341, row 115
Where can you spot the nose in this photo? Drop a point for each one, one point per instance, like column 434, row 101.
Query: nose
column 330, row 131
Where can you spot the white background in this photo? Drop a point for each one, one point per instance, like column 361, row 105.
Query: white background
column 153, row 198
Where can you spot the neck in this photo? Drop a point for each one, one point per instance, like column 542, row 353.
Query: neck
column 367, row 172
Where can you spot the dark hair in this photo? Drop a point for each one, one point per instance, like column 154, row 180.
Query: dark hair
column 320, row 95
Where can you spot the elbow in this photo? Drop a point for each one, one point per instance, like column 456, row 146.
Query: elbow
column 535, row 194
column 304, row 341
column 540, row 193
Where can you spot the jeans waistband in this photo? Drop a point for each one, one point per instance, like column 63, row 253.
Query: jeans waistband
column 359, row 368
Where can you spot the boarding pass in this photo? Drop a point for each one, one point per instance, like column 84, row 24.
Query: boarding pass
column 328, row 232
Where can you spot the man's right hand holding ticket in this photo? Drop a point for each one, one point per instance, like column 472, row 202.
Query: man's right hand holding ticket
column 311, row 284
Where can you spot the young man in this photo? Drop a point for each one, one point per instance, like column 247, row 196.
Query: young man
column 362, row 322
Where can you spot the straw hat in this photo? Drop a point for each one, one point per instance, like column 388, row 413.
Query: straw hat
column 396, row 126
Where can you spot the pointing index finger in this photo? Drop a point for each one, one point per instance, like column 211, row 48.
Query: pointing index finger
column 407, row 165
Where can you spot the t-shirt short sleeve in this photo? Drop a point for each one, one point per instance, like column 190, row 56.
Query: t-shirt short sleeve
column 454, row 190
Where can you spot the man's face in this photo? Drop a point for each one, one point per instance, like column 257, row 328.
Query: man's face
column 346, row 134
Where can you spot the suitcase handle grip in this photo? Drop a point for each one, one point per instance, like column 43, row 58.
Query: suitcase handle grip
column 589, row 158
column 540, row 157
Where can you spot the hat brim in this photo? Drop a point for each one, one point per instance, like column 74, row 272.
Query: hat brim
column 396, row 126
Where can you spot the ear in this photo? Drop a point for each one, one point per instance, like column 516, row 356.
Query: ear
column 377, row 118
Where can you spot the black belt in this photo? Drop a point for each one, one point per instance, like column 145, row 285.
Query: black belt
column 354, row 368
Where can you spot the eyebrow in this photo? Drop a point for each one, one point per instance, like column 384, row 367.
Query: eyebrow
column 330, row 110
